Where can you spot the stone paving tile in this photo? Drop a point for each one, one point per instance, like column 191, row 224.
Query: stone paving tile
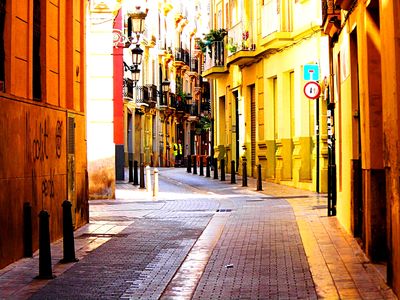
column 143, row 261
column 259, row 256
column 279, row 242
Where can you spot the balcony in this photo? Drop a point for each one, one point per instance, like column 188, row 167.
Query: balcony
column 142, row 96
column 205, row 106
column 128, row 89
column 214, row 65
column 153, row 92
column 182, row 57
column 330, row 17
column 241, row 48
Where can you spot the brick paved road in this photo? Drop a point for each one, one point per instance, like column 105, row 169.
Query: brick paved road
column 258, row 255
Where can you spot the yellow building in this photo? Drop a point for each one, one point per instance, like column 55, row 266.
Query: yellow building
column 163, row 104
column 364, row 54
column 43, row 124
column 261, row 114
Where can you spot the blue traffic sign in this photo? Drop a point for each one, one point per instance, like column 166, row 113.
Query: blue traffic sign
column 311, row 72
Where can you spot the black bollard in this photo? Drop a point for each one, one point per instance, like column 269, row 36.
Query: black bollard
column 259, row 179
column 233, row 172
column 45, row 270
column 68, row 234
column 135, row 173
column 142, row 185
column 222, row 164
column 215, row 161
column 189, row 164
column 201, row 166
column 208, row 167
column 194, row 165
column 244, row 175
column 130, row 171
column 27, row 230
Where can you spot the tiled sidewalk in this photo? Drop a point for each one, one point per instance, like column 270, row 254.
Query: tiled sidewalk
column 338, row 267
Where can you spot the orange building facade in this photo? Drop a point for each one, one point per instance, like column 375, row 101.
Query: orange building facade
column 42, row 124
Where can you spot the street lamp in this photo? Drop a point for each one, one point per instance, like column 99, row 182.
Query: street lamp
column 165, row 86
column 189, row 99
column 137, row 23
column 137, row 54
column 135, row 75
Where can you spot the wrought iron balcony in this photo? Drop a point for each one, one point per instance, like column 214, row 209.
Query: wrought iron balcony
column 182, row 55
column 128, row 88
column 153, row 93
column 194, row 65
column 215, row 57
column 142, row 95
column 205, row 106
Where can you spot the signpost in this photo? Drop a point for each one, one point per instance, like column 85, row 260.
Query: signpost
column 312, row 90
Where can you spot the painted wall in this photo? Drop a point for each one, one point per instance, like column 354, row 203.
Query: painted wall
column 43, row 150
column 100, row 108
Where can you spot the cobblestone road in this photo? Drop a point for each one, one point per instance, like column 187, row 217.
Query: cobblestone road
column 258, row 255
column 204, row 239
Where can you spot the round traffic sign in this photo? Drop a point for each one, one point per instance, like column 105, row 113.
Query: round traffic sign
column 312, row 90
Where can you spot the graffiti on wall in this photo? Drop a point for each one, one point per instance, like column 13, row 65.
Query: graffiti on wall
column 45, row 137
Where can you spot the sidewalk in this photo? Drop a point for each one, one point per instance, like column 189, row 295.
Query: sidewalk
column 338, row 266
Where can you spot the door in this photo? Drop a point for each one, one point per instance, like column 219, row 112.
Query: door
column 71, row 164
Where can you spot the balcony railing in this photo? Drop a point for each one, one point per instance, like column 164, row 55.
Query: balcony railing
column 182, row 55
column 153, row 92
column 194, row 65
column 205, row 106
column 142, row 95
column 239, row 39
column 193, row 109
column 172, row 100
column 128, row 88
column 215, row 55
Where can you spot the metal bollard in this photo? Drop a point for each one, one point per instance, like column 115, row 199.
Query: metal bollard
column 68, row 234
column 45, row 270
column 244, row 175
column 155, row 189
column 215, row 161
column 259, row 179
column 233, row 172
column 142, row 185
column 148, row 179
column 201, row 166
column 189, row 164
column 222, row 164
column 27, row 230
column 208, row 167
column 194, row 165
column 130, row 171
column 135, row 173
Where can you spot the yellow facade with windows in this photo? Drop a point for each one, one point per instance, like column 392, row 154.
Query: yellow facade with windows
column 261, row 114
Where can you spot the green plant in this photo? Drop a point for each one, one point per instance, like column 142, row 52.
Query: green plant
column 232, row 47
column 203, row 125
column 209, row 38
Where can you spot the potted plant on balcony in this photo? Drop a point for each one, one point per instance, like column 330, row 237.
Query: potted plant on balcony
column 245, row 37
column 231, row 46
column 213, row 36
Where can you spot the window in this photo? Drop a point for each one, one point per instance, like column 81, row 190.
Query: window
column 2, row 53
column 36, row 76
column 270, row 17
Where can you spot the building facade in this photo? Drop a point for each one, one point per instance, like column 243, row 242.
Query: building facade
column 255, row 59
column 364, row 55
column 43, row 122
column 168, row 102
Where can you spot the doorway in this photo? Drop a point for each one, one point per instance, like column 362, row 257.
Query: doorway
column 237, row 128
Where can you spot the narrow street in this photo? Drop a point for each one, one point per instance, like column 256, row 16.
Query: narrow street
column 201, row 238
